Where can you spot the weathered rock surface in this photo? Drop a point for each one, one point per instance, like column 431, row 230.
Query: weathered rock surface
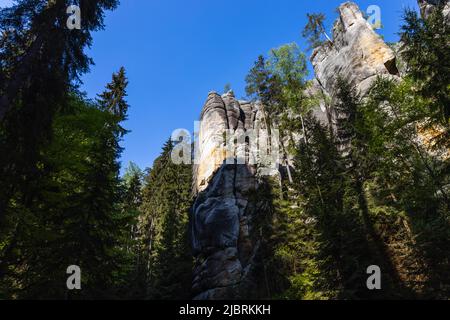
column 428, row 6
column 222, row 213
column 357, row 54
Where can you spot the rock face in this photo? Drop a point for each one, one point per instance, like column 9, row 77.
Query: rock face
column 222, row 214
column 357, row 54
column 427, row 7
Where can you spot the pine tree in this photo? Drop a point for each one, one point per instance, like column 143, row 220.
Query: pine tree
column 262, row 84
column 314, row 30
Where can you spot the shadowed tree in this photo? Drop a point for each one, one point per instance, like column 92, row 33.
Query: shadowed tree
column 427, row 55
column 41, row 61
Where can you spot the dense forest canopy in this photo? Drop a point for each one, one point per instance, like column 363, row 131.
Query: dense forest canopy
column 364, row 192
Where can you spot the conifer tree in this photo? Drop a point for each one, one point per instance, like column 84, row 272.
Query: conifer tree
column 166, row 205
column 135, row 281
column 262, row 84
column 76, row 217
column 427, row 55
column 314, row 30
column 408, row 181
column 41, row 61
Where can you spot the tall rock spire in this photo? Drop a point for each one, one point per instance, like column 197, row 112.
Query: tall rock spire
column 357, row 54
column 221, row 222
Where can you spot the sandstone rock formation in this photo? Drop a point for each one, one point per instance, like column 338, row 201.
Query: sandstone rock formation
column 357, row 54
column 222, row 214
column 427, row 7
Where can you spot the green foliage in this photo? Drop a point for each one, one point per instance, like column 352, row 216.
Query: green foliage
column 279, row 84
column 366, row 193
column 164, row 225
column 58, row 170
column 40, row 63
column 409, row 177
column 133, row 176
column 288, row 63
column 112, row 100
column 314, row 30
column 296, row 252
column 262, row 84
column 74, row 216
column 277, row 81
column 427, row 55
column 370, row 189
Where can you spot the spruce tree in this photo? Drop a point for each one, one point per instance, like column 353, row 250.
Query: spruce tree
column 166, row 205
column 408, row 184
column 76, row 216
column 427, row 55
column 134, row 284
column 262, row 84
column 41, row 61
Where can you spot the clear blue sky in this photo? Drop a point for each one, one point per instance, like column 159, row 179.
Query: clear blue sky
column 176, row 51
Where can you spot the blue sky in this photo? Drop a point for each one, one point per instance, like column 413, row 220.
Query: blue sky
column 176, row 51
